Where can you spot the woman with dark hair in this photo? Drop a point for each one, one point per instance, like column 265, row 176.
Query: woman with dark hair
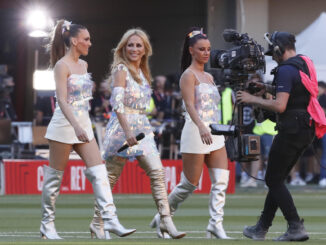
column 131, row 95
column 70, row 129
column 198, row 145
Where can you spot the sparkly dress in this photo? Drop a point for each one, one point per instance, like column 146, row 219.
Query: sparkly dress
column 132, row 101
column 79, row 92
column 207, row 99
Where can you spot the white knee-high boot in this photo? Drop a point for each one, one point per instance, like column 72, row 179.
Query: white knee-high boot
column 180, row 193
column 220, row 179
column 114, row 168
column 97, row 175
column 50, row 192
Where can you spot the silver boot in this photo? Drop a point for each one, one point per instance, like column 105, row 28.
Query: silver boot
column 162, row 221
column 50, row 192
column 114, row 168
column 97, row 175
column 220, row 179
column 96, row 227
column 175, row 198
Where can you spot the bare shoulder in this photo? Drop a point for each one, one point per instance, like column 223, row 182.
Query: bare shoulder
column 187, row 77
column 61, row 67
column 83, row 62
column 210, row 76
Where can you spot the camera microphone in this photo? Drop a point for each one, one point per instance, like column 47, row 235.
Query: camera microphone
column 125, row 146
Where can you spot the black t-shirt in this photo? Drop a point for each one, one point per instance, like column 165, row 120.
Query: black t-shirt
column 288, row 80
column 287, row 76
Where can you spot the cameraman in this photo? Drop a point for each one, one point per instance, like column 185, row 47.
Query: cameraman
column 296, row 91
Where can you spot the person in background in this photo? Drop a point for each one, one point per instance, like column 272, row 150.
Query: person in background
column 44, row 109
column 159, row 96
column 100, row 106
column 7, row 84
column 266, row 130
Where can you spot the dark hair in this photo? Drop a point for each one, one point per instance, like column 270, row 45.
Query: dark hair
column 189, row 42
column 60, row 40
column 322, row 84
column 285, row 40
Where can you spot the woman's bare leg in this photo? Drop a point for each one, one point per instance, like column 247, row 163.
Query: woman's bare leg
column 193, row 167
column 89, row 152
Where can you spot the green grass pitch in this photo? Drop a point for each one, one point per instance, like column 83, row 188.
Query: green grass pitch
column 20, row 218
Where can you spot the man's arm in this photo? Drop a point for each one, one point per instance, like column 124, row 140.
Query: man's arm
column 278, row 105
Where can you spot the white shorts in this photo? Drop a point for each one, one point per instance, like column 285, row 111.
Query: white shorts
column 191, row 141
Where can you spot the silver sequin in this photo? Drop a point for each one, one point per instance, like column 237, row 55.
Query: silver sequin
column 207, row 99
column 136, row 98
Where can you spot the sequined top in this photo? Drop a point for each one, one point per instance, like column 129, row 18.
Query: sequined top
column 207, row 99
column 132, row 101
column 79, row 92
column 135, row 96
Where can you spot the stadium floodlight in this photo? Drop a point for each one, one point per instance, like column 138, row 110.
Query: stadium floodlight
column 43, row 80
column 38, row 33
column 39, row 22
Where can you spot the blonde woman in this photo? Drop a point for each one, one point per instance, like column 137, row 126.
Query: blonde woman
column 131, row 95
column 70, row 129
column 198, row 145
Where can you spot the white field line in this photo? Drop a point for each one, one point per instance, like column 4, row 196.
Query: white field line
column 138, row 232
column 131, row 237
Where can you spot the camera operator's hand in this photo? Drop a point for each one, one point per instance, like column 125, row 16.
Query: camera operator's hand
column 205, row 135
column 244, row 97
column 258, row 88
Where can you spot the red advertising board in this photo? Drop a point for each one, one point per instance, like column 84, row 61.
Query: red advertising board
column 26, row 177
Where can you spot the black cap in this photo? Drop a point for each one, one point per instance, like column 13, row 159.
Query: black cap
column 282, row 39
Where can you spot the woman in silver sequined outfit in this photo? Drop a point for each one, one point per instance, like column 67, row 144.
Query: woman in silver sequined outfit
column 130, row 98
column 198, row 145
column 70, row 129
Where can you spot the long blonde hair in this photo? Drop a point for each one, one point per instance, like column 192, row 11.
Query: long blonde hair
column 120, row 56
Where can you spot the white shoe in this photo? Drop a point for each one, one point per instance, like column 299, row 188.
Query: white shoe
column 309, row 177
column 249, row 183
column 261, row 174
column 244, row 178
column 322, row 182
column 297, row 181
column 216, row 231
